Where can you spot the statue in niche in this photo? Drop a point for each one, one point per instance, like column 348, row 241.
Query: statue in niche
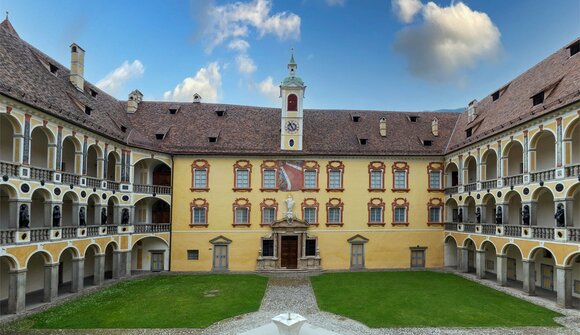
column 82, row 217
column 125, row 216
column 24, row 217
column 498, row 215
column 478, row 215
column 56, row 216
column 560, row 216
column 460, row 215
column 104, row 216
column 526, row 215
column 289, row 206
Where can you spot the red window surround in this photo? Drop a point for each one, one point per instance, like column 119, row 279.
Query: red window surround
column 269, row 165
column 335, row 166
column 401, row 166
column 241, row 203
column 376, row 203
column 268, row 203
column 400, row 203
column 243, row 165
column 199, row 164
column 198, row 203
column 311, row 203
column 377, row 166
column 335, row 203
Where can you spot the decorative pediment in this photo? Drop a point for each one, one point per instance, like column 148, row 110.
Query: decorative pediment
column 357, row 239
column 220, row 240
column 290, row 223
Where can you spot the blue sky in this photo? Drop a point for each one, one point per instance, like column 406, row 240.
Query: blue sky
column 385, row 55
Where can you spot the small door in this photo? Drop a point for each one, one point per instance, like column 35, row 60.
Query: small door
column 357, row 259
column 162, row 175
column 470, row 261
column 220, row 257
column 511, row 269
column 289, row 252
column 139, row 259
column 547, row 277
column 157, row 261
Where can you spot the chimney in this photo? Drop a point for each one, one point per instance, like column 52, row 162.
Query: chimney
column 135, row 98
column 383, row 127
column 77, row 66
column 471, row 111
column 196, row 98
column 435, row 127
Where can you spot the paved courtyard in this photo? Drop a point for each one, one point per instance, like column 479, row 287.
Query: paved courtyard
column 293, row 292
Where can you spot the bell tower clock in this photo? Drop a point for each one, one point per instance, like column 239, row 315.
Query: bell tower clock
column 292, row 94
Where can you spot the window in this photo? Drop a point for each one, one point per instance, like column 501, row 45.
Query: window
column 242, row 178
column 490, row 265
column 192, row 255
column 413, row 118
column 334, row 209
column 123, row 128
column 310, row 215
column 241, row 216
column 199, row 210
column 212, row 139
column 269, row 179
column 376, row 179
column 538, row 98
column 268, row 215
column 427, row 143
column 159, row 136
column 400, row 215
column 173, row 110
column 53, row 68
column 574, row 48
column 400, row 172
column 199, row 215
column 363, row 141
column 268, row 248
column 310, row 179
column 435, row 214
column 88, row 110
column 495, row 96
column 334, row 181
column 400, row 179
column 93, row 93
column 435, row 180
column 468, row 132
column 334, row 215
column 355, row 118
column 376, row 215
column 376, row 210
column 310, row 247
column 292, row 103
column 335, row 171
column 400, row 211
column 220, row 113
column 241, row 212
column 200, row 171
column 418, row 257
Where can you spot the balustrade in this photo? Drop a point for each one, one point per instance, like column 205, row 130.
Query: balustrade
column 543, row 175
column 488, row 229
column 92, row 231
column 69, row 178
column 69, row 233
column 489, row 184
column 8, row 169
column 469, row 227
column 7, row 236
column 41, row 174
column 152, row 227
column 451, row 226
column 451, row 190
column 93, row 182
column 513, row 231
column 573, row 171
column 513, row 180
column 112, row 185
column 544, row 233
column 39, row 234
column 151, row 189
column 471, row 187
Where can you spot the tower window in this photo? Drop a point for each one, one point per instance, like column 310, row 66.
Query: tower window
column 291, row 143
column 538, row 98
column 292, row 103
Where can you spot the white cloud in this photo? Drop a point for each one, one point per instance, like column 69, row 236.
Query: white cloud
column 207, row 82
column 115, row 80
column 269, row 90
column 335, row 2
column 239, row 45
column 406, row 9
column 237, row 20
column 448, row 40
column 245, row 64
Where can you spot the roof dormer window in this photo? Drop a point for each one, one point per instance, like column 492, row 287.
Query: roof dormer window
column 427, row 143
column 413, row 118
column 468, row 132
column 355, row 118
column 220, row 113
column 538, row 99
column 53, row 68
column 172, row 111
column 123, row 128
column 574, row 48
column 93, row 93
column 88, row 110
column 363, row 141
column 495, row 96
column 212, row 139
column 160, row 136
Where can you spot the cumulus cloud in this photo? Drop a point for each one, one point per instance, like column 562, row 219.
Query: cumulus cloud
column 207, row 82
column 269, row 90
column 239, row 19
column 448, row 39
column 245, row 64
column 239, row 45
column 114, row 81
column 406, row 9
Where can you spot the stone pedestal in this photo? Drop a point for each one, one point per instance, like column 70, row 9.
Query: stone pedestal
column 289, row 323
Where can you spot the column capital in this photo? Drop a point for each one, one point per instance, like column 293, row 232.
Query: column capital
column 78, row 259
column 501, row 256
column 563, row 267
column 531, row 261
column 51, row 265
column 17, row 271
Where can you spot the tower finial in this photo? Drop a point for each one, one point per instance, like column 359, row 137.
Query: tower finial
column 7, row 13
column 292, row 62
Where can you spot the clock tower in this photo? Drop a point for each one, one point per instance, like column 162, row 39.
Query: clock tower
column 292, row 94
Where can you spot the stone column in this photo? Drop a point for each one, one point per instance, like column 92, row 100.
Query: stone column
column 99, row 270
column 50, row 282
column 569, row 210
column 564, row 286
column 16, row 291
column 12, row 216
column 117, row 264
column 529, row 267
column 501, row 270
column 78, row 275
column 127, row 260
column 480, row 263
column 463, row 259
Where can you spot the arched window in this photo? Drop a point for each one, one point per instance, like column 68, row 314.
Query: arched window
column 292, row 103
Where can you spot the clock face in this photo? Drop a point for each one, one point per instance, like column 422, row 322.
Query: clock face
column 291, row 126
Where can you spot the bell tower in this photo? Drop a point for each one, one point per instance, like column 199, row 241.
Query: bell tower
column 292, row 94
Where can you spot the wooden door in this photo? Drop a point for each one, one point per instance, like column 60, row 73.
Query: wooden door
column 220, row 257
column 162, row 175
column 511, row 269
column 157, row 261
column 357, row 256
column 547, row 277
column 139, row 259
column 289, row 252
column 160, row 212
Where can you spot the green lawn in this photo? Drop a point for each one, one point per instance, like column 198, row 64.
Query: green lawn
column 423, row 299
column 165, row 301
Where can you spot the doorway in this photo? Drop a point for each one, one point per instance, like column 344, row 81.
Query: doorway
column 547, row 277
column 220, row 257
column 289, row 252
column 157, row 261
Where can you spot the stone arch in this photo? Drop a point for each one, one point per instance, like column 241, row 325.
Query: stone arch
column 572, row 137
column 470, row 168
column 72, row 248
column 545, row 207
column 8, row 207
column 113, row 159
column 450, row 251
column 449, row 238
column 41, row 140
column 40, row 207
column 11, row 261
column 514, row 207
column 469, row 209
column 466, row 242
column 544, row 145
column 534, row 252
column 489, row 159
column 14, row 122
column 95, row 245
column 94, row 155
column 113, row 243
column 507, row 245
column 514, row 153
column 451, row 207
column 149, row 236
column 488, row 242
column 48, row 259
column 9, row 128
column 71, row 147
column 451, row 175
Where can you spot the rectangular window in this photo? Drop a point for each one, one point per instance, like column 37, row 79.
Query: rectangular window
column 334, row 215
column 334, row 181
column 310, row 215
column 241, row 215
column 310, row 247
column 376, row 179
column 400, row 179
column 199, row 215
column 310, row 179
column 417, row 258
column 435, row 180
column 268, row 215
column 243, row 178
column 435, row 214
column 400, row 215
column 538, row 98
column 269, row 179
column 192, row 255
column 200, row 178
column 268, row 248
column 376, row 215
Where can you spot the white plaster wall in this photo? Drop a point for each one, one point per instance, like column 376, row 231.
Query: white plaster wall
column 545, row 210
column 491, row 166
column 39, row 149
column 6, row 140
column 68, row 156
column 545, row 152
column 450, row 254
column 35, row 274
column 515, row 159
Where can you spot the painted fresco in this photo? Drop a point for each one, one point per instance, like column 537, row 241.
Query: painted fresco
column 291, row 175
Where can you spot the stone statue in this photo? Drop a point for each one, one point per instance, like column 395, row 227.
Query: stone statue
column 526, row 215
column 56, row 216
column 498, row 216
column 24, row 217
column 82, row 219
column 125, row 216
column 560, row 216
column 460, row 215
column 289, row 207
column 478, row 215
column 104, row 216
